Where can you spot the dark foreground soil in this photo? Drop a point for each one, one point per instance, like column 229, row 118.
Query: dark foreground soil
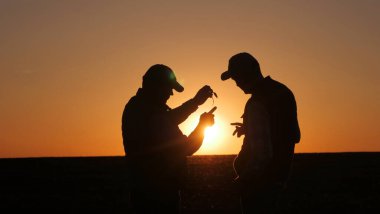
column 320, row 183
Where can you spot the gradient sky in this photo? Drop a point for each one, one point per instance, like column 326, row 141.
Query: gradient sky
column 67, row 68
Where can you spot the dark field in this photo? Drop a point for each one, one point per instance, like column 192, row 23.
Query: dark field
column 320, row 183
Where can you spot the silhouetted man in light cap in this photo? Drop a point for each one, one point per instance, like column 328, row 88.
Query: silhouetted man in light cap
column 155, row 147
column 271, row 131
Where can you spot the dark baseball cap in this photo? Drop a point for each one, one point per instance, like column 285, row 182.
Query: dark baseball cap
column 161, row 75
column 237, row 65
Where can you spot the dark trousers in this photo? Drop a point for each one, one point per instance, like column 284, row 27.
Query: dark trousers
column 260, row 199
column 155, row 201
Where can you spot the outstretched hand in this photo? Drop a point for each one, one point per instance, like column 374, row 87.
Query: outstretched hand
column 239, row 129
column 203, row 94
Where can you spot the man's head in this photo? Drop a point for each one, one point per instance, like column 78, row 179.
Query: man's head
column 244, row 69
column 159, row 81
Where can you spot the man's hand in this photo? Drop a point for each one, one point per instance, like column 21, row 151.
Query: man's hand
column 207, row 119
column 203, row 94
column 239, row 129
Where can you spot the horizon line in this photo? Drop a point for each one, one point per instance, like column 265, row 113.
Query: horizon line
column 122, row 156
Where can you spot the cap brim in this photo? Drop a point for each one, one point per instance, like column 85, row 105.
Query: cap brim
column 226, row 75
column 178, row 87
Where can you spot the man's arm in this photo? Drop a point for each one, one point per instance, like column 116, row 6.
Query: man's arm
column 181, row 113
column 195, row 139
column 170, row 139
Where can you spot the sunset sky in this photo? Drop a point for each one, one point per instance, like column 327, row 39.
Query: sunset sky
column 67, row 68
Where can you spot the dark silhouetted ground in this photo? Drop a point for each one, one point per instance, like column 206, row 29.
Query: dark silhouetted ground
column 320, row 183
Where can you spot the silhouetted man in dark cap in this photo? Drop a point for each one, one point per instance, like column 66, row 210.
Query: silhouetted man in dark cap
column 271, row 131
column 155, row 147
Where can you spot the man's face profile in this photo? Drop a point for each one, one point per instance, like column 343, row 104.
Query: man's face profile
column 163, row 93
column 242, row 83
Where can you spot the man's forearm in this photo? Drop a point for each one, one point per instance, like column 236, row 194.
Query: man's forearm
column 195, row 139
column 182, row 112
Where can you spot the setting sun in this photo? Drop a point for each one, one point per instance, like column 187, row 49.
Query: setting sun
column 212, row 138
column 214, row 135
column 211, row 132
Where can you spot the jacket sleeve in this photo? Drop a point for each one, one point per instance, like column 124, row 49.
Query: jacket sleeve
column 181, row 113
column 290, row 112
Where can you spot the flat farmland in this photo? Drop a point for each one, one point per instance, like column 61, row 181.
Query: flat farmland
column 320, row 183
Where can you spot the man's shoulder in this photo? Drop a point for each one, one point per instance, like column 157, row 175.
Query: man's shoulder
column 132, row 103
column 134, row 109
column 278, row 85
column 279, row 89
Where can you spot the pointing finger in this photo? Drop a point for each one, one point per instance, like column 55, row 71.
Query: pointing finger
column 212, row 110
column 236, row 124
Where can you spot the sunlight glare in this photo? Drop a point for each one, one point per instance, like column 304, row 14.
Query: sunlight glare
column 212, row 138
column 211, row 133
